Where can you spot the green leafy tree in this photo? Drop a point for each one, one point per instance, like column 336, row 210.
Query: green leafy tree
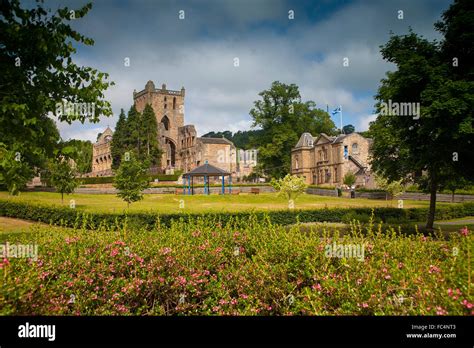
column 348, row 129
column 349, row 179
column 81, row 152
column 131, row 179
column 62, row 176
column 14, row 172
column 133, row 139
column 283, row 117
column 119, row 140
column 291, row 186
column 149, row 135
column 38, row 73
column 392, row 189
column 454, row 184
column 438, row 141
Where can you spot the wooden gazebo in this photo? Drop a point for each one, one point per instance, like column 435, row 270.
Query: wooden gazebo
column 206, row 171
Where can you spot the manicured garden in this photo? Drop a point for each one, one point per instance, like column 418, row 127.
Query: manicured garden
column 169, row 203
column 250, row 267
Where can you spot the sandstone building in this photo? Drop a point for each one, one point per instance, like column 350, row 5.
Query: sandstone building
column 182, row 148
column 325, row 160
column 101, row 155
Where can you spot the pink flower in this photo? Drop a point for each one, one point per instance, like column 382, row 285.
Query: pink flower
column 450, row 292
column 165, row 251
column 119, row 242
column 317, row 287
column 464, row 231
column 423, row 239
column 114, row 252
column 4, row 262
column 365, row 305
column 400, row 265
column 434, row 269
column 388, row 276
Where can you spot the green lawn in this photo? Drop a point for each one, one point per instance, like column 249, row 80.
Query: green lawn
column 169, row 203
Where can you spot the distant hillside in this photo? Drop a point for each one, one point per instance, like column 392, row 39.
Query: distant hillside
column 241, row 139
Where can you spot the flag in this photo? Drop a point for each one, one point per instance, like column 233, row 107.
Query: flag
column 336, row 110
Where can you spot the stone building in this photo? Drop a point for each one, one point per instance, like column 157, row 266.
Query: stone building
column 182, row 148
column 325, row 160
column 101, row 154
column 246, row 162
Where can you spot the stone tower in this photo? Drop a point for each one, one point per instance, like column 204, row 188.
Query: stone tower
column 168, row 106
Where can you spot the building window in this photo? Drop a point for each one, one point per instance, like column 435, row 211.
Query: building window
column 166, row 122
column 336, row 179
column 174, row 103
column 325, row 154
column 296, row 163
column 327, row 176
column 346, row 151
column 355, row 149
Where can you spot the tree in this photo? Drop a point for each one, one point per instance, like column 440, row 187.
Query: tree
column 392, row 189
column 348, row 129
column 81, row 152
column 149, row 134
column 131, row 179
column 283, row 117
column 349, row 179
column 38, row 75
column 438, row 140
column 14, row 172
column 63, row 176
column 133, row 140
column 291, row 186
column 119, row 140
column 453, row 185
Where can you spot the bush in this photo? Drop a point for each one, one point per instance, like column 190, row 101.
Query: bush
column 199, row 267
column 68, row 217
column 110, row 179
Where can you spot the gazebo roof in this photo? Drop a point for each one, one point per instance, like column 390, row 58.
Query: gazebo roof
column 206, row 169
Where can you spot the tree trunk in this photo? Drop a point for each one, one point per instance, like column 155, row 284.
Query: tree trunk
column 62, row 198
column 433, row 189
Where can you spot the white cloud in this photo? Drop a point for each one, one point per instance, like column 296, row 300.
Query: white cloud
column 198, row 53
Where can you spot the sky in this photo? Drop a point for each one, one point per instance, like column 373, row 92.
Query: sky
column 199, row 51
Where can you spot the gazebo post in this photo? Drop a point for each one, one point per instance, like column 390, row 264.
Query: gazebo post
column 189, row 184
column 192, row 185
column 223, row 185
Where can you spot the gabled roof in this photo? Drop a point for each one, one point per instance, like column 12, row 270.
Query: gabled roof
column 206, row 169
column 306, row 140
column 106, row 132
column 325, row 138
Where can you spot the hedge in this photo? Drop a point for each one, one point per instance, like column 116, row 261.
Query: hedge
column 110, row 179
column 57, row 215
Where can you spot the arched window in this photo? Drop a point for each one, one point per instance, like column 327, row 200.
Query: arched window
column 355, row 149
column 165, row 103
column 296, row 162
column 166, row 122
column 174, row 103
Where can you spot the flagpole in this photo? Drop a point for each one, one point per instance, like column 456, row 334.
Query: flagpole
column 340, row 112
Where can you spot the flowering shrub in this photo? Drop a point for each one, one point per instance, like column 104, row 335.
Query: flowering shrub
column 199, row 267
column 290, row 187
